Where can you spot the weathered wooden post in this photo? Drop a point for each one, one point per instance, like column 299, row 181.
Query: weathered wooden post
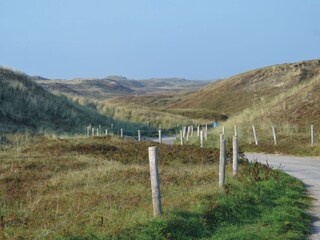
column 198, row 131
column 139, row 136
column 201, row 139
column 312, row 135
column 155, row 181
column 223, row 130
column 188, row 133
column 121, row 133
column 235, row 130
column 184, row 132
column 181, row 138
column 274, row 135
column 160, row 137
column 222, row 163
column 206, row 132
column 235, row 156
column 106, row 132
column 92, row 131
column 254, row 135
column 97, row 132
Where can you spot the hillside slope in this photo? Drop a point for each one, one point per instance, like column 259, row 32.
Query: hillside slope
column 26, row 105
column 118, row 86
column 234, row 94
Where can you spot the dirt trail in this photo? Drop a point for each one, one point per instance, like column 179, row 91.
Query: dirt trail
column 304, row 168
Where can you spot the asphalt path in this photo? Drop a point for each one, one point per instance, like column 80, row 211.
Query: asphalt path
column 304, row 168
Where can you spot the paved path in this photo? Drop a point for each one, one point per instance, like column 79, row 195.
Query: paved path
column 165, row 139
column 304, row 168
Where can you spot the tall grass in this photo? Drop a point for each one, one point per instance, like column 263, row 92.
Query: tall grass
column 25, row 106
column 137, row 114
column 99, row 188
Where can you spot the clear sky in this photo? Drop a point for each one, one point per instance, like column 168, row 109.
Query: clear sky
column 194, row 39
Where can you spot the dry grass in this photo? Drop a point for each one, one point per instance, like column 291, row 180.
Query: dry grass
column 52, row 187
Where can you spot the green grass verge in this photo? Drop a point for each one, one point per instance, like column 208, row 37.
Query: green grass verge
column 263, row 204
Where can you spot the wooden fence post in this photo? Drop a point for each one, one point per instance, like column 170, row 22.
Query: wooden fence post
column 155, row 181
column 312, row 135
column 235, row 130
column 206, row 132
column 97, row 130
column 160, row 137
column 184, row 132
column 181, row 138
column 255, row 135
column 201, row 139
column 188, row 133
column 121, row 133
column 274, row 135
column 106, row 132
column 235, row 156
column 222, row 163
column 198, row 131
column 88, row 131
column 139, row 136
column 92, row 132
column 223, row 130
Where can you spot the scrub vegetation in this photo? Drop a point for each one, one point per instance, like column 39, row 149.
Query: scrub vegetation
column 99, row 188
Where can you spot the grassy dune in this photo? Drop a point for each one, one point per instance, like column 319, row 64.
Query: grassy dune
column 26, row 106
column 233, row 95
column 291, row 112
column 99, row 188
column 139, row 114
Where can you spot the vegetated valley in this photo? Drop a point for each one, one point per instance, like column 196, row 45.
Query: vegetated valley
column 58, row 183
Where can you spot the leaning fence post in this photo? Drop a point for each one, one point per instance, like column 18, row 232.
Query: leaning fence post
column 139, row 136
column 274, row 135
column 121, row 133
column 155, row 181
column 222, row 163
column 255, row 135
column 160, row 137
column 235, row 156
column 312, row 135
column 201, row 139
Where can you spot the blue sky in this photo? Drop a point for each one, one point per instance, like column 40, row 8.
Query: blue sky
column 204, row 39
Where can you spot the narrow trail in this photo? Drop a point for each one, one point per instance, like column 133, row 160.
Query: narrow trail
column 304, row 168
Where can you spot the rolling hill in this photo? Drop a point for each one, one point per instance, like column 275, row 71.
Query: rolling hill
column 118, row 86
column 24, row 105
column 232, row 95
